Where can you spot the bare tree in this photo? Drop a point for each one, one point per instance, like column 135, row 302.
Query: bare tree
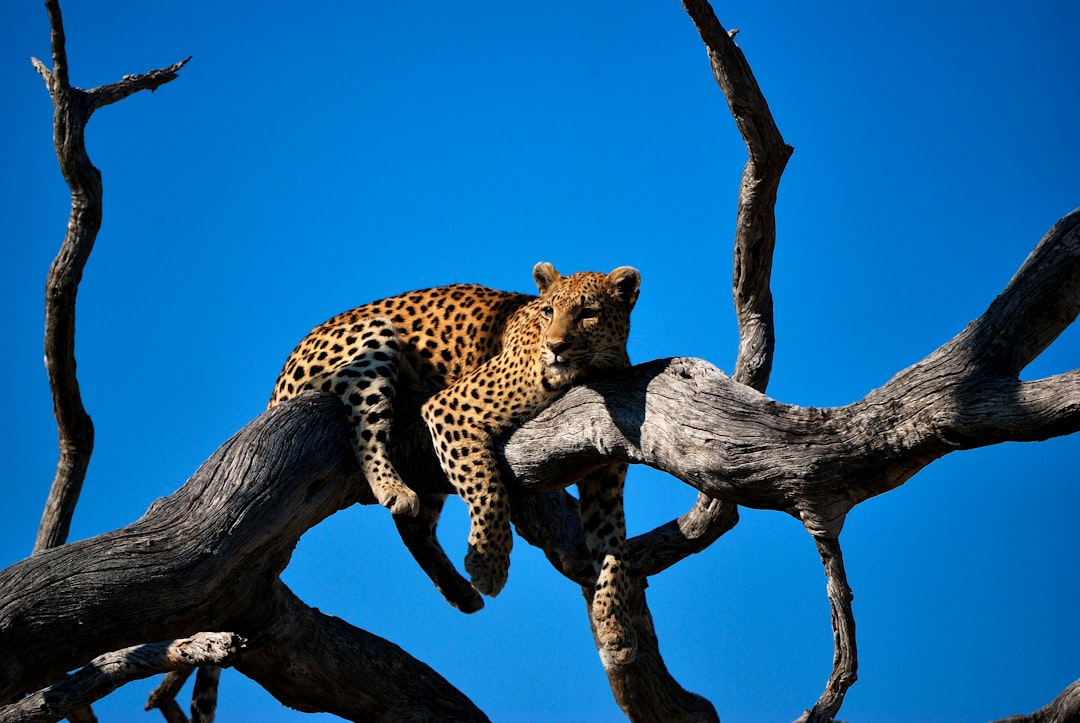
column 208, row 558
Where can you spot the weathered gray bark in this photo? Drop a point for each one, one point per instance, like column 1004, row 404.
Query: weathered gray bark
column 687, row 418
column 72, row 110
column 1066, row 707
column 209, row 557
column 108, row 672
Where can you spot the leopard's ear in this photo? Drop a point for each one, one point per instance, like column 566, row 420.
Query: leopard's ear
column 627, row 282
column 545, row 275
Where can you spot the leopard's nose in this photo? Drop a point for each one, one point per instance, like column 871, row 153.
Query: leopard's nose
column 557, row 345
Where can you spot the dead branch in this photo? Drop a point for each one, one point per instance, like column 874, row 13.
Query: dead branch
column 209, row 557
column 107, row 672
column 223, row 539
column 232, row 527
column 687, row 418
column 1064, row 708
column 709, row 518
column 755, row 228
column 72, row 110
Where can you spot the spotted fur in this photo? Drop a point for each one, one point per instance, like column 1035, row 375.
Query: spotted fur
column 492, row 360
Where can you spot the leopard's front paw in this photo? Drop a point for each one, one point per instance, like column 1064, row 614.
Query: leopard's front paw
column 404, row 503
column 396, row 497
column 618, row 640
column 488, row 570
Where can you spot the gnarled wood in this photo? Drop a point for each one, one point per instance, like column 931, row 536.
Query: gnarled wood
column 1064, row 708
column 107, row 672
column 72, row 110
column 208, row 557
column 755, row 236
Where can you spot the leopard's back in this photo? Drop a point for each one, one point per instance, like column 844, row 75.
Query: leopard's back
column 444, row 333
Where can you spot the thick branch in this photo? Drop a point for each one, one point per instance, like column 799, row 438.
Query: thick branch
column 316, row 662
column 1040, row 302
column 687, row 418
column 1063, row 709
column 106, row 673
column 755, row 240
column 208, row 557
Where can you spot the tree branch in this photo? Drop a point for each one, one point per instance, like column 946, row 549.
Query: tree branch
column 72, row 110
column 316, row 662
column 1011, row 410
column 845, row 658
column 1040, row 302
column 107, row 672
column 1062, row 709
column 131, row 84
column 755, row 230
column 817, row 464
column 755, row 238
column 208, row 557
column 223, row 539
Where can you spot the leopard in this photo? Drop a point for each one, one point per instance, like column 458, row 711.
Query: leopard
column 490, row 361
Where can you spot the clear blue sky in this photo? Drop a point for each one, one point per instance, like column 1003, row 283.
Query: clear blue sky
column 314, row 157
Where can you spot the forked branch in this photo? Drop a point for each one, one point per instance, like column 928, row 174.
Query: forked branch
column 72, row 110
column 209, row 557
column 552, row 521
column 755, row 227
column 292, row 467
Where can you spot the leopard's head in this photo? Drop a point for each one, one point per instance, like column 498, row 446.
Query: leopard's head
column 585, row 319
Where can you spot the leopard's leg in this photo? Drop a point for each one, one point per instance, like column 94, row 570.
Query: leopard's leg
column 366, row 384
column 418, row 534
column 467, row 456
column 604, row 522
column 204, row 695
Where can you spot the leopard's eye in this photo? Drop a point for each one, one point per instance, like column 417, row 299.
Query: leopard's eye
column 589, row 312
column 547, row 311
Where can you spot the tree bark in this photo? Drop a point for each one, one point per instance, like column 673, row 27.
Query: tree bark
column 108, row 672
column 72, row 110
column 208, row 557
column 1066, row 707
